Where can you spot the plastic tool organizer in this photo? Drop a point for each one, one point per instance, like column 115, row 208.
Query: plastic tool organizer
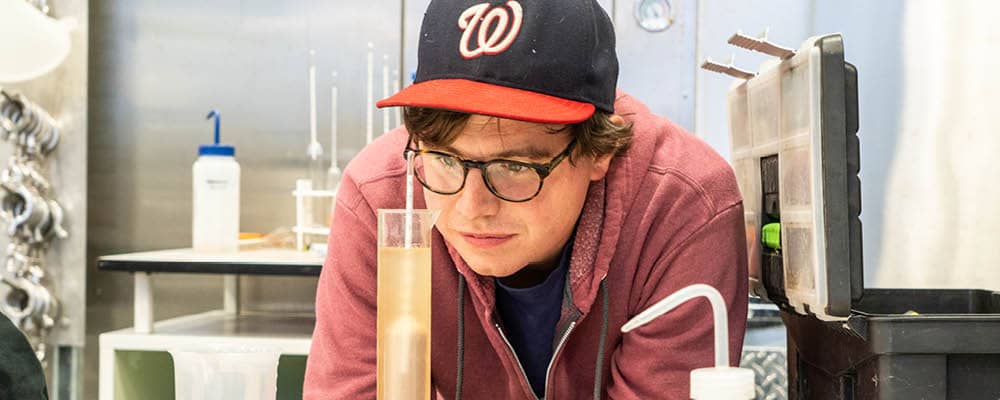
column 795, row 152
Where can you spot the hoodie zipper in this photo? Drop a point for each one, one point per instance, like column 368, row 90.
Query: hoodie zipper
column 520, row 367
column 556, row 354
column 559, row 347
column 548, row 370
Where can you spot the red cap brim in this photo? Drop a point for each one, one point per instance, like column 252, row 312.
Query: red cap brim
column 489, row 99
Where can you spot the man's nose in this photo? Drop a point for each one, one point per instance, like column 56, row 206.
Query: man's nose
column 475, row 200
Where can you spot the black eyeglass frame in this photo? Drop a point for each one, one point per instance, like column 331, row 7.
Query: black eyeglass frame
column 543, row 170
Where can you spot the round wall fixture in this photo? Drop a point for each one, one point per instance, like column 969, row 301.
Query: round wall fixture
column 654, row 15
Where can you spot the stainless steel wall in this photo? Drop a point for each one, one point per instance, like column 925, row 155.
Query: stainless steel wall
column 156, row 68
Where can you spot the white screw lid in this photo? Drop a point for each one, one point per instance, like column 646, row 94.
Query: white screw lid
column 722, row 383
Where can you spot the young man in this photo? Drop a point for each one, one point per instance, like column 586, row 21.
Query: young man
column 566, row 209
column 21, row 375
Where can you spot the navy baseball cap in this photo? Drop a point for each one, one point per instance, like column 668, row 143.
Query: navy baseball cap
column 545, row 61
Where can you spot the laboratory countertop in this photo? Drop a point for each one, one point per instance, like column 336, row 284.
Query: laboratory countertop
column 266, row 261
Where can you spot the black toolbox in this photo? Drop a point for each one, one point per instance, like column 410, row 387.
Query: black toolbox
column 796, row 156
column 951, row 350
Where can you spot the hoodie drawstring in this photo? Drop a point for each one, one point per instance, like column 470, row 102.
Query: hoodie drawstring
column 599, row 369
column 461, row 336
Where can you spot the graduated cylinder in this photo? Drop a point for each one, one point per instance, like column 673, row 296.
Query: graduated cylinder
column 404, row 304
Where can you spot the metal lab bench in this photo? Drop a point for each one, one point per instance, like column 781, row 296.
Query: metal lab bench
column 134, row 363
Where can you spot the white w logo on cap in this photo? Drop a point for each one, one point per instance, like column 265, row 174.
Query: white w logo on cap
column 499, row 19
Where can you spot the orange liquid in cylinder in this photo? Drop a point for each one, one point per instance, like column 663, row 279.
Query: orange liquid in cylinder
column 404, row 323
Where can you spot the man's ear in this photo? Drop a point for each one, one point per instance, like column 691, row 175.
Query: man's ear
column 602, row 163
column 600, row 167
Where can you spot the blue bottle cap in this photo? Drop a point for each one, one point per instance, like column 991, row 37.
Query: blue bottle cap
column 216, row 150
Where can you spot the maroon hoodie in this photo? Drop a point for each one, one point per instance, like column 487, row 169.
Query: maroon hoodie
column 668, row 214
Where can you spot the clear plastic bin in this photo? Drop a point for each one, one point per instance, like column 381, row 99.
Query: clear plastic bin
column 225, row 372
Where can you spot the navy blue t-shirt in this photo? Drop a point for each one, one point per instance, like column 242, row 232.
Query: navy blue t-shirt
column 529, row 318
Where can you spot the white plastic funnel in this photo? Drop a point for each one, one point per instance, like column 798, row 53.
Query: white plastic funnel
column 225, row 372
column 32, row 44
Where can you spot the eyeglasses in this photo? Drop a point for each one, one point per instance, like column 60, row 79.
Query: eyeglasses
column 510, row 180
